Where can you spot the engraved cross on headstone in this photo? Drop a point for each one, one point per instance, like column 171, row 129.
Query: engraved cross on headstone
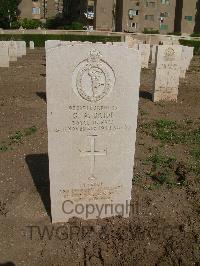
column 93, row 153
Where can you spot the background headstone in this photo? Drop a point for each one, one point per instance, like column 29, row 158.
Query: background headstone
column 31, row 45
column 12, row 51
column 153, row 53
column 4, row 55
column 145, row 51
column 167, row 72
column 129, row 41
column 92, row 102
column 19, row 49
column 23, row 45
column 186, row 57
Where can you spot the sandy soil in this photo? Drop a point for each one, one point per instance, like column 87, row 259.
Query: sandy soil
column 164, row 228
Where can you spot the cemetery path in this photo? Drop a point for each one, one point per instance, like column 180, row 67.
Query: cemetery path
column 164, row 226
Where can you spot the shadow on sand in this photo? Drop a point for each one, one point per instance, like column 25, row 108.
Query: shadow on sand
column 39, row 167
column 146, row 95
column 42, row 95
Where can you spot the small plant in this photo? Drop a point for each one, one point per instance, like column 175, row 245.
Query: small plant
column 153, row 186
column 29, row 131
column 195, row 153
column 161, row 177
column 30, row 23
column 158, row 159
column 150, row 31
column 165, row 130
column 3, row 209
column 174, row 33
column 3, row 147
column 142, row 113
column 192, row 43
column 195, row 160
column 136, row 178
column 162, row 168
column 171, row 132
column 74, row 26
column 16, row 137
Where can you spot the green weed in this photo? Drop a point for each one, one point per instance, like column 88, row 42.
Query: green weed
column 142, row 113
column 3, row 147
column 162, row 168
column 16, row 137
column 29, row 131
column 168, row 131
column 136, row 178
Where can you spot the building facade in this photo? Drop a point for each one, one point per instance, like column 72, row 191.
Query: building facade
column 146, row 15
column 163, row 16
column 40, row 9
column 187, row 16
column 105, row 15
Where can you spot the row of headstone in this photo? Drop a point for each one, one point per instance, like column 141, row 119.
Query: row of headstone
column 11, row 50
column 149, row 39
column 171, row 63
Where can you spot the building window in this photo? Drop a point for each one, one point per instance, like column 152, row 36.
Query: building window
column 188, row 18
column 134, row 25
column 132, row 13
column 150, row 4
column 149, row 17
column 164, row 15
column 163, row 27
column 165, row 2
column 36, row 11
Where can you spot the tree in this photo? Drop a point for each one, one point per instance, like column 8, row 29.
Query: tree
column 8, row 12
column 197, row 18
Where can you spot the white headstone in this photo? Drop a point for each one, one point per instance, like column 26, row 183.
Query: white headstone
column 12, row 51
column 153, row 53
column 19, row 49
column 23, row 44
column 4, row 55
column 167, row 42
column 191, row 54
column 53, row 44
column 186, row 57
column 31, row 45
column 92, row 99
column 129, row 41
column 120, row 44
column 167, row 72
column 145, row 51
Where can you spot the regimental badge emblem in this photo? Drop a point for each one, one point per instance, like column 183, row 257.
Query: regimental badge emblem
column 93, row 78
